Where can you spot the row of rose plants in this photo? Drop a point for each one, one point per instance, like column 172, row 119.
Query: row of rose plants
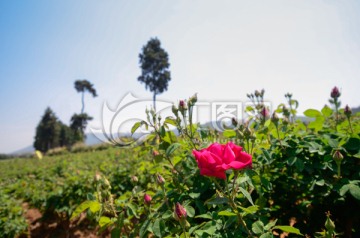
column 275, row 175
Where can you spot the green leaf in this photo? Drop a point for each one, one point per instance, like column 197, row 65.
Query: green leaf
column 226, row 213
column 266, row 235
column 171, row 149
column 190, row 211
column 229, row 133
column 320, row 182
column 167, row 214
column 94, row 207
column 250, row 210
column 171, row 121
column 176, row 160
column 217, row 201
column 194, row 195
column 317, row 124
column 133, row 210
column 326, row 111
column 288, row 229
column 247, row 195
column 205, row 216
column 136, row 126
column 115, row 233
column 104, row 221
column 353, row 144
column 158, row 227
column 144, row 228
column 355, row 191
column 270, row 225
column 258, row 227
column 312, row 113
column 267, row 123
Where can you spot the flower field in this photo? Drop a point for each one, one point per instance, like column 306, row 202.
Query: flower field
column 275, row 176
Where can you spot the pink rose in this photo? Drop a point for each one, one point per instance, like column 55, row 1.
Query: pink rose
column 147, row 199
column 216, row 159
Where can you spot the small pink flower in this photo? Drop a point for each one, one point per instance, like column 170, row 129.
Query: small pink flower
column 147, row 199
column 180, row 212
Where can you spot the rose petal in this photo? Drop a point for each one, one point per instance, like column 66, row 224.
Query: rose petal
column 228, row 155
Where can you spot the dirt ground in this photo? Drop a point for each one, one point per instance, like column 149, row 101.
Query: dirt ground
column 51, row 227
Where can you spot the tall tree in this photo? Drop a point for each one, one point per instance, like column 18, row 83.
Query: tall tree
column 83, row 86
column 154, row 63
column 47, row 132
column 78, row 124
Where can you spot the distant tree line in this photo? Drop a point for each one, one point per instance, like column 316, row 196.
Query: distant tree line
column 155, row 74
column 52, row 133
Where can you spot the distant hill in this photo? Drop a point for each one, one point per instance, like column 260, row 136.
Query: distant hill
column 91, row 139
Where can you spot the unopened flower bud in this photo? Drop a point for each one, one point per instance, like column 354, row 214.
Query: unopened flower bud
column 97, row 177
column 134, row 179
column 247, row 132
column 274, row 118
column 262, row 92
column 193, row 100
column 285, row 121
column 329, row 224
column 180, row 212
column 155, row 153
column 335, row 93
column 147, row 199
column 337, row 156
column 182, row 105
column 174, row 109
column 347, row 111
column 264, row 112
column 234, row 121
column 160, row 179
column 257, row 93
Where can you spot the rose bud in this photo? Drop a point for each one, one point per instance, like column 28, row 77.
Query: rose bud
column 347, row 111
column 337, row 156
column 257, row 93
column 147, row 199
column 134, row 179
column 234, row 121
column 174, row 110
column 160, row 179
column 335, row 93
column 192, row 100
column 265, row 112
column 180, row 212
column 274, row 118
column 155, row 153
column 97, row 177
column 329, row 224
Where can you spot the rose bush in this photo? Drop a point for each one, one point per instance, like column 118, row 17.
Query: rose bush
column 216, row 159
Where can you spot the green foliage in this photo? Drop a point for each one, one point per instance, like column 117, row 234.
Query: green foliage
column 300, row 173
column 78, row 125
column 47, row 132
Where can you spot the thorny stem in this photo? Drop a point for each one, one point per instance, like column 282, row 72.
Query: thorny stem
column 352, row 132
column 240, row 219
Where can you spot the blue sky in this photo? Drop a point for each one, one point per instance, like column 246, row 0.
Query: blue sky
column 219, row 49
